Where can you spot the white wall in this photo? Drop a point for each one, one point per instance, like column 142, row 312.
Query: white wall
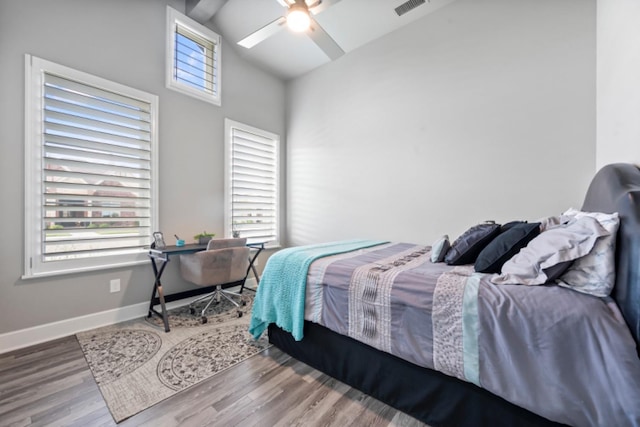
column 124, row 41
column 618, row 128
column 483, row 110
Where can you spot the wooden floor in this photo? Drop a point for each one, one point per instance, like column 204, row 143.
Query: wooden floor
column 50, row 385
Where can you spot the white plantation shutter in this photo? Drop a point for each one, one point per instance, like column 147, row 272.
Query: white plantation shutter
column 95, row 205
column 252, row 183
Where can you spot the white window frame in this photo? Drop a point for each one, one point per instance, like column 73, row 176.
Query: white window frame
column 175, row 19
column 34, row 264
column 229, row 126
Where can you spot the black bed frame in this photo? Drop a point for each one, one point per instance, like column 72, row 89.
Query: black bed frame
column 441, row 400
column 430, row 396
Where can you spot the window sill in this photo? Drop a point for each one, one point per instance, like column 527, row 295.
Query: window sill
column 186, row 90
column 80, row 270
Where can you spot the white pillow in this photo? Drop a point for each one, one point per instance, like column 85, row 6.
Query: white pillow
column 549, row 222
column 439, row 249
column 557, row 245
column 595, row 273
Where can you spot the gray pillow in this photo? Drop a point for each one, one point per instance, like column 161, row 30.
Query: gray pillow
column 439, row 249
column 557, row 245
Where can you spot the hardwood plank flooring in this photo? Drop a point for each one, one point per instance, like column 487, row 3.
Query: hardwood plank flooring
column 50, row 385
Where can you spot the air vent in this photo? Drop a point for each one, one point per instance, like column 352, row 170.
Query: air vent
column 408, row 6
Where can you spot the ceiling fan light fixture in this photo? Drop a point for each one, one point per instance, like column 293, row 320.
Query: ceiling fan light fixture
column 298, row 18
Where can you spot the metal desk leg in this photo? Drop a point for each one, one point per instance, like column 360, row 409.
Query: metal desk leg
column 157, row 287
column 255, row 273
column 252, row 267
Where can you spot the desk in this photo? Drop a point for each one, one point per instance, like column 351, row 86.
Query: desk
column 159, row 260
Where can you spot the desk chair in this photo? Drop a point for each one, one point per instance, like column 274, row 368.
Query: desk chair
column 223, row 264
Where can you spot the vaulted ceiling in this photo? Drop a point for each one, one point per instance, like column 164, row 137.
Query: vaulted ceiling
column 350, row 23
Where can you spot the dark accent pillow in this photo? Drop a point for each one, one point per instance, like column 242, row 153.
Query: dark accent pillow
column 555, row 271
column 507, row 226
column 506, row 245
column 466, row 248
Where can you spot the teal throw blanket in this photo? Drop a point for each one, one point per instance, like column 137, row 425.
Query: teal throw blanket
column 281, row 294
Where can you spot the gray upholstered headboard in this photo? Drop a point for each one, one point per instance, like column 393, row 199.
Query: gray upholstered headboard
column 616, row 188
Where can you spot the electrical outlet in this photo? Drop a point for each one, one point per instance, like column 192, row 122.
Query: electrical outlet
column 114, row 285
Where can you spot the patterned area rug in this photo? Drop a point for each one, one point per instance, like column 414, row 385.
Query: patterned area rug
column 136, row 364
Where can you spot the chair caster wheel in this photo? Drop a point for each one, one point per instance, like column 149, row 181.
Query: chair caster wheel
column 203, row 319
column 192, row 310
column 239, row 314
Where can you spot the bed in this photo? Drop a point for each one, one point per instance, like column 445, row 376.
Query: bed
column 485, row 354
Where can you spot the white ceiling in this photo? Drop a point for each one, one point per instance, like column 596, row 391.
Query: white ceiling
column 351, row 23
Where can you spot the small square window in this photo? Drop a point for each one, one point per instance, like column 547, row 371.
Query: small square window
column 193, row 58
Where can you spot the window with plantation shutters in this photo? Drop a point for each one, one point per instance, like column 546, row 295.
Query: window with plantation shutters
column 91, row 159
column 193, row 58
column 252, row 183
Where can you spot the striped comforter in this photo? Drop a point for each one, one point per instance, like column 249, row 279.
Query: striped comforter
column 544, row 348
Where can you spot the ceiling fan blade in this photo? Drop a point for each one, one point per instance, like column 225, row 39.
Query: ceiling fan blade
column 324, row 41
column 324, row 4
column 263, row 33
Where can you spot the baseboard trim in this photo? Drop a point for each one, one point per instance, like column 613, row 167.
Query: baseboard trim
column 22, row 338
column 42, row 333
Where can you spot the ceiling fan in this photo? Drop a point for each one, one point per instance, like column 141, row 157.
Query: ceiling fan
column 299, row 19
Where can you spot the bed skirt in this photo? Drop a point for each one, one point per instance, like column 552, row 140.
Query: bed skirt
column 434, row 398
